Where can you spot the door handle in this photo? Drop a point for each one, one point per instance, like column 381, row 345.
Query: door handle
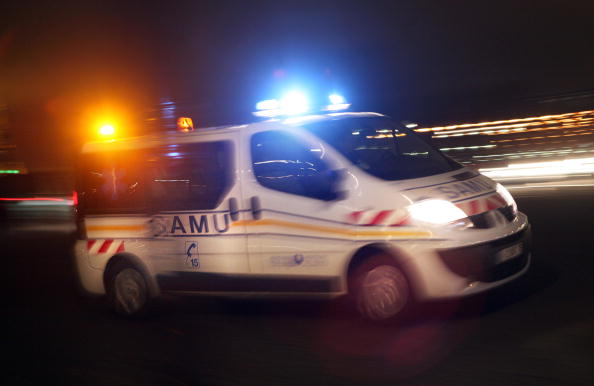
column 256, row 207
column 233, row 209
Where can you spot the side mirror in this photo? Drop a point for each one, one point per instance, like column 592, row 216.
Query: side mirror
column 334, row 177
column 337, row 175
column 340, row 195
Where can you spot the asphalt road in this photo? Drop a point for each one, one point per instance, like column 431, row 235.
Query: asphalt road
column 538, row 330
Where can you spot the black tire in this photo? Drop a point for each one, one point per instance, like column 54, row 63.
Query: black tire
column 128, row 291
column 379, row 290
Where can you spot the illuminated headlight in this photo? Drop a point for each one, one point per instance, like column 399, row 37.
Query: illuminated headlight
column 506, row 195
column 437, row 212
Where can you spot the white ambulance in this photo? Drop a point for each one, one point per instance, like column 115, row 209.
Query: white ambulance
column 331, row 204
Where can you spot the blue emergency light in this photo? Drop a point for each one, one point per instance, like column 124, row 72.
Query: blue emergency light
column 295, row 103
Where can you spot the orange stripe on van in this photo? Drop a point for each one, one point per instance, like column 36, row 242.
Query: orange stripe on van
column 347, row 232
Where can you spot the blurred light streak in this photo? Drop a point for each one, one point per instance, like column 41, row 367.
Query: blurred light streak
column 490, row 130
column 467, row 147
column 548, row 186
column 39, row 201
column 31, row 199
column 549, row 169
column 542, row 137
column 545, row 153
column 577, row 115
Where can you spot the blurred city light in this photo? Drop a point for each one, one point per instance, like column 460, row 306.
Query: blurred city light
column 548, row 122
column 555, row 169
column 496, row 144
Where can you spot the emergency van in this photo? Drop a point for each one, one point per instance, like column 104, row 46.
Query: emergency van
column 322, row 205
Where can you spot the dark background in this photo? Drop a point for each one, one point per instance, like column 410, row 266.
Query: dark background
column 431, row 62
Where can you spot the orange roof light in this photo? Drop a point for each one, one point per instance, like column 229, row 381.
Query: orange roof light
column 185, row 124
column 107, row 130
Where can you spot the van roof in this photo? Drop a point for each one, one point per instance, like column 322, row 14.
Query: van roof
column 173, row 137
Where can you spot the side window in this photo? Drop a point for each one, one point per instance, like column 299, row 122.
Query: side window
column 191, row 176
column 112, row 183
column 282, row 162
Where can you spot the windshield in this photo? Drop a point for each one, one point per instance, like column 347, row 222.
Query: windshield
column 383, row 148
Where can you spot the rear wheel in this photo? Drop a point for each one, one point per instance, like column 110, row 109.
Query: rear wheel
column 379, row 289
column 128, row 290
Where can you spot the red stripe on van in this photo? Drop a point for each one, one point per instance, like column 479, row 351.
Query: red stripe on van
column 380, row 217
column 401, row 222
column 499, row 199
column 90, row 243
column 121, row 247
column 105, row 246
column 354, row 217
column 492, row 204
column 474, row 207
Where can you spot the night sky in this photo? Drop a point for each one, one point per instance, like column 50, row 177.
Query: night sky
column 427, row 61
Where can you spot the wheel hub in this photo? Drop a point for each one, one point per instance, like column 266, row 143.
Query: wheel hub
column 384, row 292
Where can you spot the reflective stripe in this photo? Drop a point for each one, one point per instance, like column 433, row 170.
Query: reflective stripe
column 105, row 246
column 347, row 232
column 380, row 217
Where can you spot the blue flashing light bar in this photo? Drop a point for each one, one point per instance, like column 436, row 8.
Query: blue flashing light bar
column 336, row 99
column 296, row 103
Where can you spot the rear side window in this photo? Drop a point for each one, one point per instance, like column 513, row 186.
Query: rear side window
column 176, row 177
column 112, row 183
column 191, row 176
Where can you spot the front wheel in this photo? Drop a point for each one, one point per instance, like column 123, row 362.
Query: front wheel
column 379, row 289
column 128, row 291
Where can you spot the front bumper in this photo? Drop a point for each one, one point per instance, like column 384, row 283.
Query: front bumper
column 460, row 271
column 484, row 262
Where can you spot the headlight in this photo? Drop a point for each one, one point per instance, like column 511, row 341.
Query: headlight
column 436, row 212
column 506, row 195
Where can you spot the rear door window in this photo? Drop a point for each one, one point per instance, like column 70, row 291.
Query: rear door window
column 190, row 176
column 112, row 183
column 175, row 177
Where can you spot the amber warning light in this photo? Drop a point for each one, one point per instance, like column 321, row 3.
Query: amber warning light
column 185, row 124
column 107, row 130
